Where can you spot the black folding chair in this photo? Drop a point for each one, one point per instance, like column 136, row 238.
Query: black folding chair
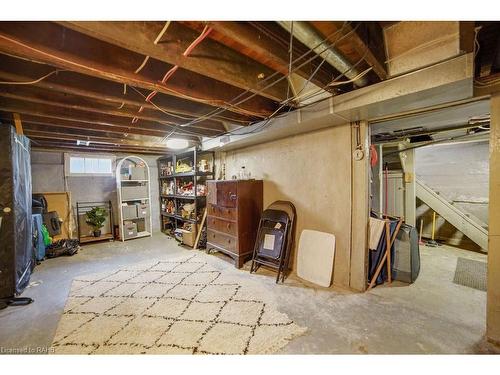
column 275, row 238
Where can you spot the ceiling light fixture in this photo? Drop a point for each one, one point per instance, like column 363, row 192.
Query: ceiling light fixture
column 177, row 144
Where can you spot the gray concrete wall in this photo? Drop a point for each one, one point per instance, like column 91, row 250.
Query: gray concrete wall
column 313, row 171
column 48, row 176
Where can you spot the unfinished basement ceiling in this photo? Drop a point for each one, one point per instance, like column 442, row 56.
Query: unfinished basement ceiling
column 126, row 86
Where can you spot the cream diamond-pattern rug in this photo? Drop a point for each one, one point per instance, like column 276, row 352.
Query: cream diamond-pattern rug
column 178, row 306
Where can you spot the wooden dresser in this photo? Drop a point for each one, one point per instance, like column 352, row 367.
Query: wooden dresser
column 233, row 213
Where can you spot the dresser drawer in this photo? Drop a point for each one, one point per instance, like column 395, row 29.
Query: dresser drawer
column 221, row 225
column 222, row 212
column 227, row 193
column 226, row 242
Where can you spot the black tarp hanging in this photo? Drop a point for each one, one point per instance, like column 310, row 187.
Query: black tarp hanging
column 16, row 248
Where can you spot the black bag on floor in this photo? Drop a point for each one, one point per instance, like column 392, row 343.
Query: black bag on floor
column 62, row 248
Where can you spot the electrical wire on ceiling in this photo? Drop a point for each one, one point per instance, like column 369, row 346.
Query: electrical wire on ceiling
column 142, row 65
column 219, row 109
column 290, row 52
column 477, row 46
column 184, row 117
column 160, row 34
column 232, row 105
column 267, row 122
column 119, row 77
column 31, row 82
column 334, row 81
column 309, row 79
column 172, row 70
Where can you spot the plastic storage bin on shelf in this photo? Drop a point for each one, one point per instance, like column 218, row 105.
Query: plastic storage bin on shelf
column 134, row 192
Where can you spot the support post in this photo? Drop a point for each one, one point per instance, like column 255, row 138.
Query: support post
column 493, row 292
column 18, row 123
column 408, row 162
column 360, row 205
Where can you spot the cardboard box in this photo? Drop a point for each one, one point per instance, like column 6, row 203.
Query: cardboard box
column 141, row 225
column 188, row 237
column 137, row 173
column 129, row 230
column 134, row 192
column 129, row 212
column 142, row 210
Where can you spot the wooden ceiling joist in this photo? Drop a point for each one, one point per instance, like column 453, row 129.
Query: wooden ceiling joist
column 83, row 133
column 37, row 95
column 39, row 144
column 17, row 70
column 66, row 49
column 210, row 58
column 43, row 110
column 125, row 86
column 55, row 136
column 368, row 39
column 72, row 126
column 255, row 44
column 362, row 40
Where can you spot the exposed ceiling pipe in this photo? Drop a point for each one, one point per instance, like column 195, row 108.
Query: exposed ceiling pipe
column 310, row 37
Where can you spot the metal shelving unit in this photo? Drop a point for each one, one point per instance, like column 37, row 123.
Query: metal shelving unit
column 170, row 221
column 144, row 221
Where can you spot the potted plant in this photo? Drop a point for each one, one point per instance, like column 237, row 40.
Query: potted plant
column 96, row 218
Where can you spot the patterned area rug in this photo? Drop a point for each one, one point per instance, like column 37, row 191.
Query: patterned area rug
column 471, row 273
column 179, row 306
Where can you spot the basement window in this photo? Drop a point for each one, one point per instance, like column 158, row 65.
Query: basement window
column 89, row 165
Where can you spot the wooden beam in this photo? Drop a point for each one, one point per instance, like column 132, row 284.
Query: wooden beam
column 72, row 143
column 20, row 70
column 210, row 58
column 51, row 146
column 98, row 140
column 83, row 117
column 76, row 125
column 36, row 95
column 368, row 39
column 363, row 40
column 116, row 101
column 18, row 123
column 254, row 43
column 66, row 49
column 84, row 131
column 467, row 34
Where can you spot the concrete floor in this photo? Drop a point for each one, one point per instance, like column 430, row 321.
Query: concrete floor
column 433, row 315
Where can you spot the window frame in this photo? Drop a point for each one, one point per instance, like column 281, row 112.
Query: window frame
column 67, row 164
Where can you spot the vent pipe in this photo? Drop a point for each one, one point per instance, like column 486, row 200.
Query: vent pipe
column 308, row 36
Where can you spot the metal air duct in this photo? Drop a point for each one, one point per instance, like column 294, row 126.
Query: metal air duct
column 308, row 36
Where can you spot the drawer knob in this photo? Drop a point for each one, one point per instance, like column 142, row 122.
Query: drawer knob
column 232, row 196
